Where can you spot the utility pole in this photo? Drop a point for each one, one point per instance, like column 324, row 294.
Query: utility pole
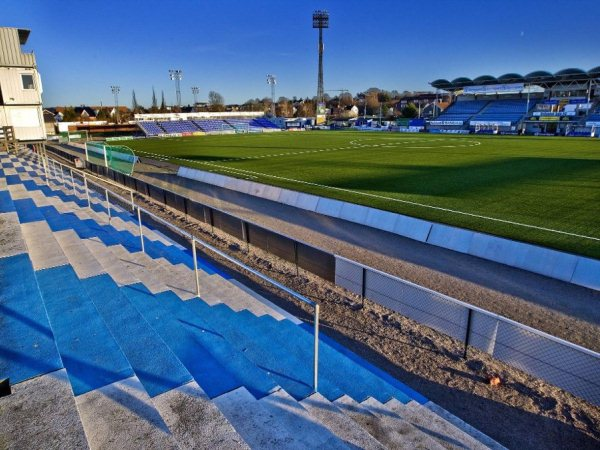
column 272, row 81
column 177, row 75
column 115, row 90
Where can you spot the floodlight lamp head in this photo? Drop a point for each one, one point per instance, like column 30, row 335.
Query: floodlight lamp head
column 320, row 19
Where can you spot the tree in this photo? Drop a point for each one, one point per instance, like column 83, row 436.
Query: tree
column 409, row 111
column 372, row 100
column 214, row 98
column 69, row 114
column 346, row 99
column 134, row 104
column 103, row 114
column 216, row 102
column 163, row 105
column 154, row 107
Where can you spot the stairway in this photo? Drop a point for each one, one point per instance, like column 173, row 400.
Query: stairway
column 139, row 361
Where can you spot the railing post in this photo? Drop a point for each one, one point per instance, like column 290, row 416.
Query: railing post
column 195, row 267
column 132, row 203
column 107, row 205
column 468, row 333
column 316, row 355
column 87, row 192
column 45, row 166
column 139, row 214
column 72, row 181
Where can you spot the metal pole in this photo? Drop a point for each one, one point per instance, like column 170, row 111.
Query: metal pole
column 72, row 181
column 316, row 355
column 132, row 203
column 87, row 192
column 107, row 205
column 141, row 230
column 195, row 267
column 45, row 166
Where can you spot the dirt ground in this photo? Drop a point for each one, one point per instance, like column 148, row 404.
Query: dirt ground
column 523, row 412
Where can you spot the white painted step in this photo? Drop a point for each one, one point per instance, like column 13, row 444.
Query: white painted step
column 339, row 423
column 462, row 425
column 391, row 431
column 44, row 251
column 275, row 421
column 430, row 423
column 195, row 421
column 79, row 256
column 11, row 239
column 121, row 415
column 41, row 413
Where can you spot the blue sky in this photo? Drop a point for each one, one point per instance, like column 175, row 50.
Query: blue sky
column 229, row 46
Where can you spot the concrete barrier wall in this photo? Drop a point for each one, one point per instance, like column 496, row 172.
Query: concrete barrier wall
column 568, row 366
column 544, row 261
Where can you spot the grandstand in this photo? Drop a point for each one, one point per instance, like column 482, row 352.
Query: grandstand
column 537, row 103
column 101, row 339
column 185, row 127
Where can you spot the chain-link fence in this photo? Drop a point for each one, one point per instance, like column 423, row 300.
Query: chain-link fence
column 566, row 365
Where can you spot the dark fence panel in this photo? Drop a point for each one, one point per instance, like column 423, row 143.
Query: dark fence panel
column 229, row 224
column 156, row 193
column 130, row 182
column 271, row 242
column 175, row 201
column 141, row 187
column 316, row 261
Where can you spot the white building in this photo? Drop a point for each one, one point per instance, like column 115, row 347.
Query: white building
column 20, row 87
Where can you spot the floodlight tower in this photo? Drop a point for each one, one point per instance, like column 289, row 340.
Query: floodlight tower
column 320, row 20
column 115, row 90
column 176, row 75
column 195, row 91
column 272, row 81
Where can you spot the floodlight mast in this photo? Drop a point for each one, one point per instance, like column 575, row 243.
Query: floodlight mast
column 272, row 81
column 115, row 90
column 195, row 91
column 320, row 20
column 177, row 75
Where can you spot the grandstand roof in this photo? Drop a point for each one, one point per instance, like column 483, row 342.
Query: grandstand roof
column 538, row 76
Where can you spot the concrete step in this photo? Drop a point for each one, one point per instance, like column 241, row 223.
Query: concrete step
column 44, row 251
column 427, row 421
column 275, row 421
column 79, row 256
column 11, row 239
column 41, row 413
column 339, row 423
column 121, row 415
column 195, row 421
column 465, row 427
column 390, row 430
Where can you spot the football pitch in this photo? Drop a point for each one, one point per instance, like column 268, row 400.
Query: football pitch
column 535, row 189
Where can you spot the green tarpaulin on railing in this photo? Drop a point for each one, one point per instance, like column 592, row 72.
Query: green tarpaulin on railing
column 116, row 157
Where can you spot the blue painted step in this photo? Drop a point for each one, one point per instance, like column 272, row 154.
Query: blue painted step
column 27, row 347
column 244, row 331
column 214, row 364
column 154, row 363
column 6, row 203
column 286, row 351
column 89, row 352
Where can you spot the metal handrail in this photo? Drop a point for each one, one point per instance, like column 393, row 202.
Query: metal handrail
column 195, row 240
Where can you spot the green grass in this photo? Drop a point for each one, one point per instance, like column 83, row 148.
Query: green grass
column 545, row 182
